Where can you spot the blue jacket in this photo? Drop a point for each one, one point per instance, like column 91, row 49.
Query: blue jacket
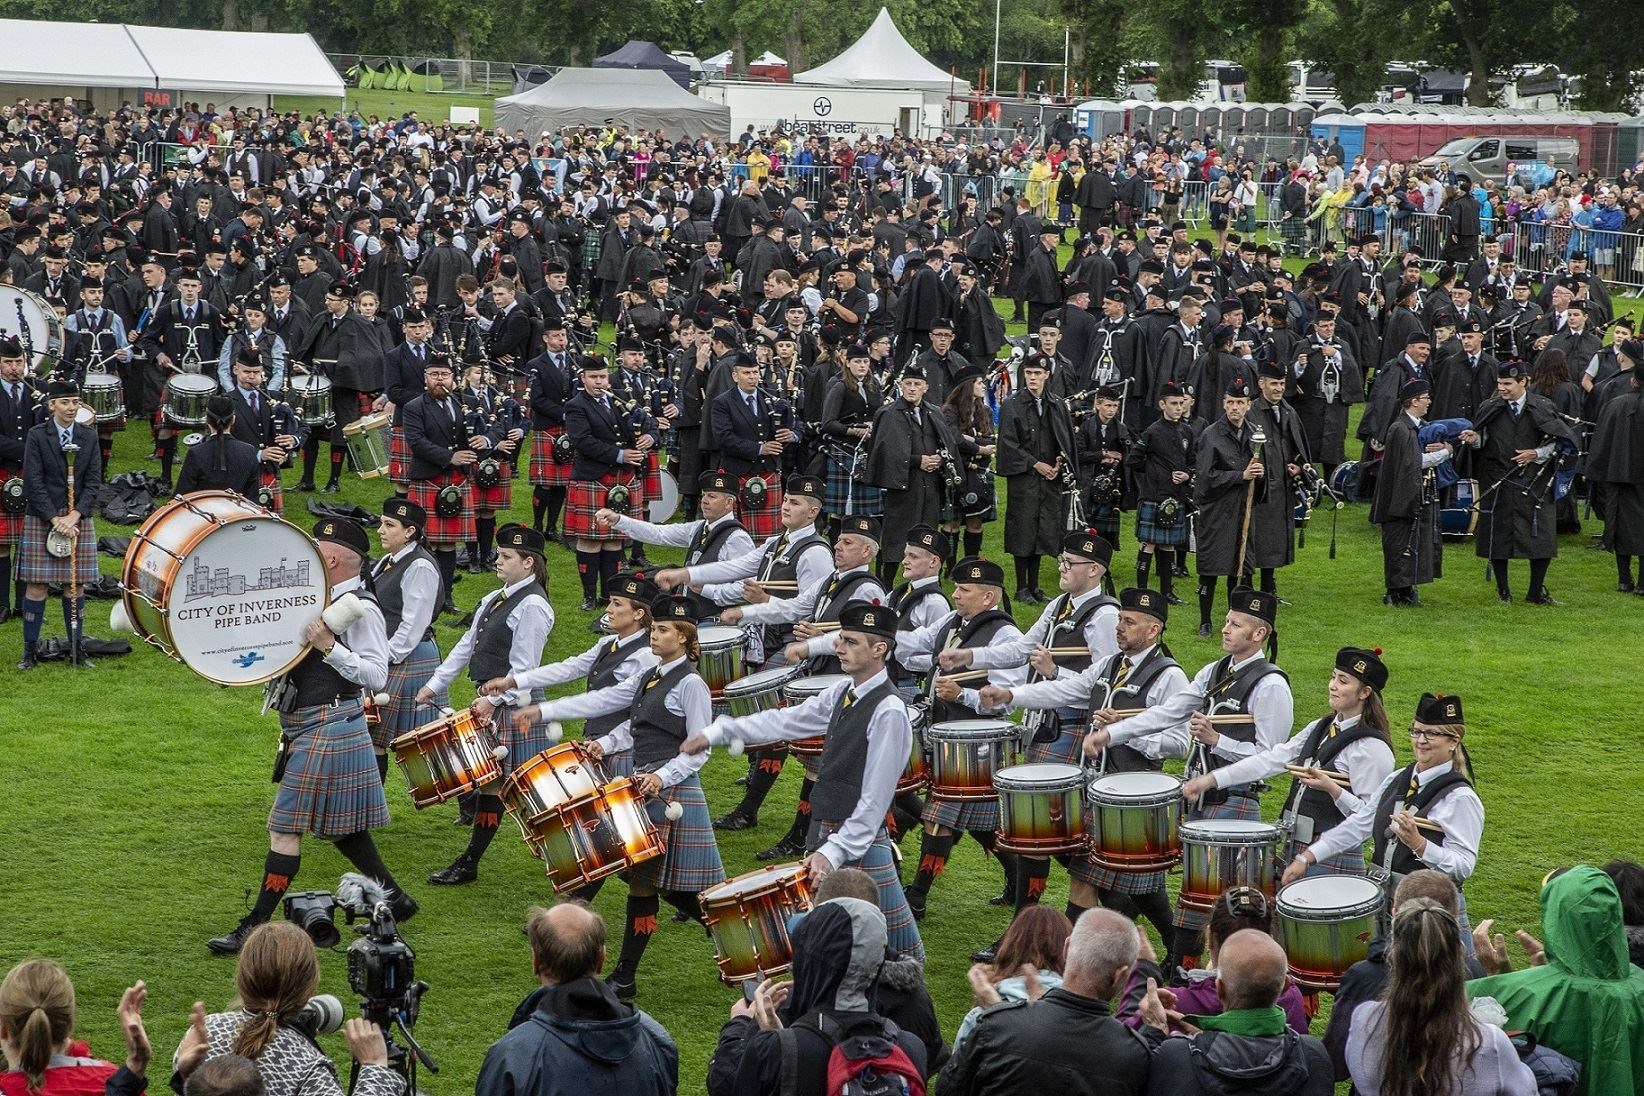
column 581, row 1040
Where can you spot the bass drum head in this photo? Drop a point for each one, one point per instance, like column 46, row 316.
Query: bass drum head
column 664, row 506
column 27, row 316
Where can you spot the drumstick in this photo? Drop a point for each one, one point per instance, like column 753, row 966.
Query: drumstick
column 1068, row 652
column 824, row 625
column 1427, row 824
column 776, row 584
column 1299, row 770
column 966, row 675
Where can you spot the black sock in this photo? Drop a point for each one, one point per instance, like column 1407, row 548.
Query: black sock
column 1144, row 563
column 1167, row 571
column 362, row 852
column 973, row 543
column 556, row 503
column 1155, row 906
column 447, row 560
column 1032, row 872
column 1186, row 945
column 168, row 455
column 802, row 813
column 5, row 584
column 1623, row 568
column 278, row 872
column 904, row 813
column 1207, row 599
column 610, row 565
column 1538, row 576
column 539, row 506
column 589, row 891
column 588, row 572
column 1270, row 580
column 1499, row 566
column 105, row 446
column 337, row 454
column 485, row 534
column 1033, row 571
column 933, row 859
column 887, row 573
column 487, row 817
column 952, row 556
column 764, row 766
column 311, row 453
column 382, row 767
column 1022, row 583
column 1075, row 911
column 685, row 901
column 640, row 928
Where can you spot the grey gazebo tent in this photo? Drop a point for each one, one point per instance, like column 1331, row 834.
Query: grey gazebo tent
column 641, row 98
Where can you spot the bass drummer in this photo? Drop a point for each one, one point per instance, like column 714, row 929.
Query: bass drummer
column 1242, row 684
column 1351, row 740
column 1140, row 674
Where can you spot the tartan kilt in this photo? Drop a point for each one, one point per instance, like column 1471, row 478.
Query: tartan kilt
column 545, row 470
column 498, row 498
column 1149, row 531
column 619, row 764
column 399, row 457
column 1085, row 870
column 35, row 565
column 863, row 499
column 11, row 525
column 521, row 747
column 443, row 532
column 765, row 521
column 1350, row 862
column 960, row 817
column 584, row 498
column 879, row 861
column 330, row 787
column 270, row 478
column 653, row 475
column 1243, row 808
column 402, row 713
column 1065, row 748
column 691, row 861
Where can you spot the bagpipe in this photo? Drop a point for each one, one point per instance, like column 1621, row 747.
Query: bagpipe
column 1445, row 431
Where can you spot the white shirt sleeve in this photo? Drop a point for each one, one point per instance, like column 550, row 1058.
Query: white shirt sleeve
column 1461, row 813
column 638, row 664
column 1014, row 650
column 676, row 535
column 913, row 649
column 612, row 698
column 731, row 569
column 558, row 673
column 1062, row 691
column 784, row 610
column 737, row 544
column 1101, row 632
column 1274, row 710
column 1008, row 677
column 804, row 720
column 1172, row 711
column 420, row 596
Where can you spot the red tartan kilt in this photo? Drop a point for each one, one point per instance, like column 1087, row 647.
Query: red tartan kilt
column 271, row 480
column 11, row 526
column 498, row 498
column 444, row 532
column 653, row 475
column 399, row 457
column 766, row 521
column 545, row 470
column 586, row 497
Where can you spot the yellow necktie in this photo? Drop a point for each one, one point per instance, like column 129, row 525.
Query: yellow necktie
column 1415, row 786
column 1067, row 610
column 850, row 698
column 1334, row 727
column 656, row 676
column 1124, row 673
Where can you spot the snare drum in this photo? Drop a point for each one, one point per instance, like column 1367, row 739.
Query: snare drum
column 594, row 836
column 964, row 756
column 721, row 661
column 558, row 775
column 311, row 399
column 1325, row 925
column 917, row 772
column 748, row 920
column 447, row 758
column 367, row 440
column 759, row 691
column 1041, row 809
column 1221, row 853
column 1135, row 818
column 801, row 690
column 103, row 393
column 186, row 397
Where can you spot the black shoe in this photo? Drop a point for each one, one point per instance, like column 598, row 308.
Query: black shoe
column 1620, row 588
column 84, row 662
column 738, row 819
column 465, row 813
column 475, row 567
column 784, row 849
column 741, row 781
column 1543, row 598
column 304, row 485
column 231, row 943
column 1025, row 597
column 1179, row 571
column 1006, row 897
column 1174, row 600
column 987, row 954
column 463, row 558
column 916, row 903
column 587, row 604
column 1204, row 631
column 626, row 986
column 639, row 561
column 331, row 488
column 27, row 663
column 1504, row 597
column 403, row 906
column 7, row 614
column 681, row 917
column 451, row 608
column 462, row 870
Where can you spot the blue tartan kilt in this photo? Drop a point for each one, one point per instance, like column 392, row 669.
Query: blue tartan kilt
column 330, row 788
column 691, row 862
column 36, row 565
column 1350, row 862
column 879, row 861
column 521, row 747
column 619, row 764
column 960, row 817
column 402, row 713
column 1149, row 531
column 1241, row 808
column 863, row 499
column 1064, row 749
column 1106, row 522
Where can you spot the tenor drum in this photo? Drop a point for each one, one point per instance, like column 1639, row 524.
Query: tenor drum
column 558, row 775
column 310, row 398
column 1461, row 519
column 748, row 920
column 801, row 690
column 103, row 393
column 186, row 397
column 1344, row 481
column 964, row 756
column 759, row 691
column 367, row 441
column 721, row 661
column 663, row 507
column 1134, row 821
column 446, row 758
column 223, row 586
column 1041, row 809
column 34, row 322
column 1221, row 853
column 594, row 836
column 1325, row 925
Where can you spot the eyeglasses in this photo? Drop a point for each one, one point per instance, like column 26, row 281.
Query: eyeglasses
column 1421, row 735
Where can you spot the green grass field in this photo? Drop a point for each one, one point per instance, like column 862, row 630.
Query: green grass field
column 135, row 794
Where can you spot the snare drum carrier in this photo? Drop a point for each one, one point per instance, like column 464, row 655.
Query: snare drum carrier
column 709, row 541
column 975, row 635
column 1229, row 693
column 1118, row 688
column 494, row 642
column 657, row 732
column 904, row 599
column 1390, row 859
column 1308, row 813
column 845, row 760
column 781, row 564
column 836, row 594
column 1067, row 629
column 390, row 595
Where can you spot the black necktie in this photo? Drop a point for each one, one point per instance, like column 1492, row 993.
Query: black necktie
column 256, row 405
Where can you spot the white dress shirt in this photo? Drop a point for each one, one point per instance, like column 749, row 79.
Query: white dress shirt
column 680, row 535
column 1366, row 761
column 890, row 741
column 688, row 698
column 914, row 650
column 638, row 659
column 1100, row 635
column 1270, row 704
column 361, row 652
column 926, row 610
column 802, row 606
column 813, row 566
column 531, row 621
column 1073, row 691
column 419, row 598
column 1460, row 812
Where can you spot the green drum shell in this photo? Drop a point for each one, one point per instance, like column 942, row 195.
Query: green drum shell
column 1219, row 854
column 964, row 755
column 758, row 692
column 1135, row 831
column 1324, row 938
column 1041, row 809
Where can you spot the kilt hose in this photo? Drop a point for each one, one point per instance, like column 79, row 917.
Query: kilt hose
column 584, row 498
column 35, row 565
column 691, row 861
column 330, row 786
column 445, row 532
column 545, row 470
column 879, row 861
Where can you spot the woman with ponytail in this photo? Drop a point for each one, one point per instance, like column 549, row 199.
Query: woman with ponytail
column 42, row 1057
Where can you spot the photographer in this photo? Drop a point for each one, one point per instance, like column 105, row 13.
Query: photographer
column 572, row 1034
column 277, row 974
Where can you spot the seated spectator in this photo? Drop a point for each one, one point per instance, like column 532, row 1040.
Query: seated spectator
column 1066, row 1042
column 228, row 1075
column 1247, row 1047
column 37, row 1035
column 576, row 1036
column 1419, row 1038
column 277, row 973
column 1629, row 884
column 1035, row 942
column 1586, row 1000
column 839, row 948
column 1364, row 979
column 1239, row 908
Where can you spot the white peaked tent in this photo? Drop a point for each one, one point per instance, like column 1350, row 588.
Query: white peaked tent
column 882, row 58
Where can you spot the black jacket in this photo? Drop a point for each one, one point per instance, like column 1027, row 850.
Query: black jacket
column 1214, row 1063
column 1061, row 1045
column 600, row 433
column 736, row 433
column 221, row 462
column 16, row 420
column 45, row 470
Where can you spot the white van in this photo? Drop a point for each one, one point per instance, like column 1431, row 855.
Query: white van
column 1488, row 157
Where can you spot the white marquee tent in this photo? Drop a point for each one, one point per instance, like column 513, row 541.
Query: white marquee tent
column 882, row 58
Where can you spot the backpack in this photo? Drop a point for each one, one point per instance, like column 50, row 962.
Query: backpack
column 867, row 1061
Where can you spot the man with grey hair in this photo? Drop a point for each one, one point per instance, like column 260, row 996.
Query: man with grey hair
column 1066, row 1041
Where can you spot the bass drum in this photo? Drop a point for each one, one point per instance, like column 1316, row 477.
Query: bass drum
column 1344, row 481
column 223, row 586
column 666, row 504
column 28, row 316
column 1461, row 519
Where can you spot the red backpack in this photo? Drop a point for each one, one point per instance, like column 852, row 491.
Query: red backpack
column 864, row 1061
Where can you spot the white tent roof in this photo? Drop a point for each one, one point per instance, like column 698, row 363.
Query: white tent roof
column 767, row 58
column 115, row 55
column 882, row 58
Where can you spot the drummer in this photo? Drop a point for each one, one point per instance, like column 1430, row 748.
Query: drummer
column 869, row 739
column 976, row 621
column 407, row 584
column 1352, row 740
column 665, row 708
column 623, row 654
column 1242, row 684
column 717, row 535
column 110, row 349
column 1141, row 673
column 510, row 629
column 1429, row 806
